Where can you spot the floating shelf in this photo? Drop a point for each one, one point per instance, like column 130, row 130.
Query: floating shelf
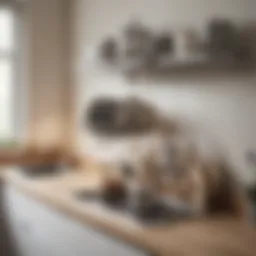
column 196, row 66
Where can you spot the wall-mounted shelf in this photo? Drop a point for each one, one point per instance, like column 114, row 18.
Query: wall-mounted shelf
column 196, row 67
column 226, row 48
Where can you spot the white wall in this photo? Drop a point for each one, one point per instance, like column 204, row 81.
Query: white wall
column 224, row 106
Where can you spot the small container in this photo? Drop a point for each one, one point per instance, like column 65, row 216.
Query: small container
column 113, row 191
column 109, row 51
column 164, row 44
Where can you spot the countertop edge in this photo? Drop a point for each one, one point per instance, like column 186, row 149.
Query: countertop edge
column 135, row 241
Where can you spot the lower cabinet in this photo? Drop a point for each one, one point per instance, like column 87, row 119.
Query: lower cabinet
column 39, row 230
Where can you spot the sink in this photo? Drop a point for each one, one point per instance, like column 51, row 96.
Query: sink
column 156, row 212
column 42, row 170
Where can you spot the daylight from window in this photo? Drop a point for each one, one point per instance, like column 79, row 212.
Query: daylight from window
column 6, row 75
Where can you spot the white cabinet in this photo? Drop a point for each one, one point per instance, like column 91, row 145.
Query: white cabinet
column 39, row 230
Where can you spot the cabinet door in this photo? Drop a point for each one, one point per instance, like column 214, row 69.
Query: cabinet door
column 40, row 230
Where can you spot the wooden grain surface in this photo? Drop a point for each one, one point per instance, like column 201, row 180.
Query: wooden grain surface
column 216, row 237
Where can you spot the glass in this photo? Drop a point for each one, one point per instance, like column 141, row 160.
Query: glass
column 6, row 100
column 6, row 30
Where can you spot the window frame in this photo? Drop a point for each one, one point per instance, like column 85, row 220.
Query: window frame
column 18, row 59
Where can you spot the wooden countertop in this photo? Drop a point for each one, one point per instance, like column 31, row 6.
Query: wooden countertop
column 222, row 237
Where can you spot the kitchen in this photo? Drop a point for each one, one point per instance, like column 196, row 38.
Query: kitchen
column 61, row 82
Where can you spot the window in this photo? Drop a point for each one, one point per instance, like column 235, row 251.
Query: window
column 8, row 74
